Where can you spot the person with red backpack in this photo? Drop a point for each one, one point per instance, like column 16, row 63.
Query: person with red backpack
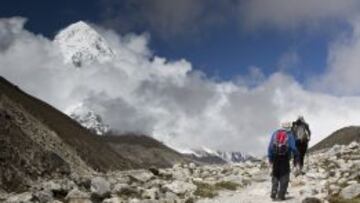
column 281, row 148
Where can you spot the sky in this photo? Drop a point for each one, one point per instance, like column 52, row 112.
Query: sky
column 222, row 74
column 215, row 36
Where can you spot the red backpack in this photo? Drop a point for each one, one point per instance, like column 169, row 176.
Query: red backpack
column 280, row 143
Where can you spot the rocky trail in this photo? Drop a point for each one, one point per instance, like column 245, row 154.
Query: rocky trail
column 258, row 191
column 331, row 176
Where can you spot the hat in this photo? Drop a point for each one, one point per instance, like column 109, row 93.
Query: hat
column 286, row 125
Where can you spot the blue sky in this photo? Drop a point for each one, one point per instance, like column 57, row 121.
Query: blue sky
column 223, row 49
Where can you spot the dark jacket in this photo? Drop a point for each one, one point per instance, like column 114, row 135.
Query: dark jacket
column 299, row 122
column 281, row 164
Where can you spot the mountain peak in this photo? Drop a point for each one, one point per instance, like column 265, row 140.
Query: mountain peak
column 82, row 45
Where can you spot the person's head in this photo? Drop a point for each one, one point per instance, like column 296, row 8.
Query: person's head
column 286, row 125
column 301, row 118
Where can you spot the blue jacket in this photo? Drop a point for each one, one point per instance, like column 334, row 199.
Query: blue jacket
column 291, row 144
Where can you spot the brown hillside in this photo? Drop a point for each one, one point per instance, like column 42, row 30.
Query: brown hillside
column 144, row 150
column 343, row 136
column 49, row 128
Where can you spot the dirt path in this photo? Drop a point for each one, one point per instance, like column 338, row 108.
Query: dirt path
column 257, row 192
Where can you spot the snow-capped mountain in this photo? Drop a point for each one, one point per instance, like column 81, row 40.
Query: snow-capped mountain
column 234, row 157
column 217, row 157
column 81, row 45
column 88, row 119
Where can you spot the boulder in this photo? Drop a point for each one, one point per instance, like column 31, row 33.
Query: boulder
column 154, row 171
column 192, row 165
column 353, row 145
column 152, row 193
column 311, row 200
column 43, row 196
column 59, row 188
column 141, row 176
column 20, row 198
column 180, row 187
column 77, row 196
column 100, row 186
column 56, row 201
column 113, row 200
column 350, row 191
column 181, row 174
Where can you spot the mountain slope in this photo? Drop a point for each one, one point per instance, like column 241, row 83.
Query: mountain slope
column 39, row 141
column 343, row 136
column 22, row 159
column 144, row 150
column 56, row 132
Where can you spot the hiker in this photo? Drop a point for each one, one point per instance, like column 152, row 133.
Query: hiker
column 280, row 150
column 302, row 135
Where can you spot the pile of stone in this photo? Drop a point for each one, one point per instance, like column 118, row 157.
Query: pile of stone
column 181, row 183
column 330, row 175
column 333, row 174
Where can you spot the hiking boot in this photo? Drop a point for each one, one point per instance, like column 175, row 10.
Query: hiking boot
column 273, row 196
column 282, row 198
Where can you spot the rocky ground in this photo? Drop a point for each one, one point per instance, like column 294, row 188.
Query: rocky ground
column 331, row 176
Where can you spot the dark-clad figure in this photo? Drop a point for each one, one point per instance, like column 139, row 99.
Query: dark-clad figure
column 302, row 135
column 280, row 150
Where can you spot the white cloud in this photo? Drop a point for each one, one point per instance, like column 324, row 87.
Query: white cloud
column 253, row 78
column 290, row 14
column 341, row 75
column 168, row 99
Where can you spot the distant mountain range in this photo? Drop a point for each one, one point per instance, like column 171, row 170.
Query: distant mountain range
column 209, row 156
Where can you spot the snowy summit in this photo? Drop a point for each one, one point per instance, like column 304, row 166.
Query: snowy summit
column 88, row 119
column 81, row 45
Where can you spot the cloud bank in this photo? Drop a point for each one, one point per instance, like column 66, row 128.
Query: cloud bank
column 170, row 100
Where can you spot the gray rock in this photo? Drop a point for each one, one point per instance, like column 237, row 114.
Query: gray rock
column 180, row 187
column 20, row 198
column 77, row 196
column 141, row 176
column 113, row 200
column 119, row 187
column 152, row 193
column 43, row 196
column 192, row 165
column 311, row 200
column 353, row 145
column 59, row 185
column 170, row 197
column 100, row 186
column 56, row 201
column 350, row 191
